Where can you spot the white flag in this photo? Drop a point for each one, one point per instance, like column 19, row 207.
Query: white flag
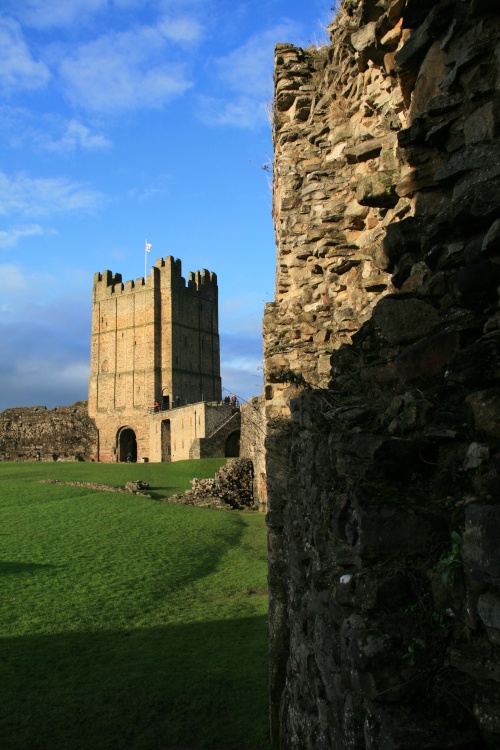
column 148, row 247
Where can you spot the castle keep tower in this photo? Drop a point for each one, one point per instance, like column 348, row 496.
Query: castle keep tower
column 153, row 341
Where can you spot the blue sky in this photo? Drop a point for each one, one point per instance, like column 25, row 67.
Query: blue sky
column 122, row 120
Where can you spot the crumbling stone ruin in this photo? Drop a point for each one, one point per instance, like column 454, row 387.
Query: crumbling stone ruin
column 382, row 367
column 230, row 489
column 35, row 433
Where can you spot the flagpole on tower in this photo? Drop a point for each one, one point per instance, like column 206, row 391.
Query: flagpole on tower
column 147, row 248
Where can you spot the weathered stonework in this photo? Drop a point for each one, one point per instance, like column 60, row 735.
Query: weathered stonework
column 36, row 433
column 253, row 445
column 230, row 489
column 156, row 341
column 382, row 365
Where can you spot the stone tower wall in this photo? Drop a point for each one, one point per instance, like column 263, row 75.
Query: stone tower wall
column 381, row 382
column 155, row 340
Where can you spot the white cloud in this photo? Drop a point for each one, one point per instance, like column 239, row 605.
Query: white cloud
column 18, row 69
column 240, row 112
column 248, row 69
column 43, row 196
column 182, row 29
column 45, row 14
column 11, row 237
column 159, row 185
column 123, row 71
column 245, row 74
column 23, row 128
column 75, row 136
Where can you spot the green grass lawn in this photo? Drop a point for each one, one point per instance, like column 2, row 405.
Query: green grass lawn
column 126, row 622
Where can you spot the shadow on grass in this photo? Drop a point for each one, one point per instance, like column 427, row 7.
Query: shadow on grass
column 193, row 686
column 11, row 568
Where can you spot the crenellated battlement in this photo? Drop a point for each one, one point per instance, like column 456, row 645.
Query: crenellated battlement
column 107, row 279
column 197, row 280
column 166, row 273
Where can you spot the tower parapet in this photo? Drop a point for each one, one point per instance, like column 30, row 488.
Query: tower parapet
column 167, row 273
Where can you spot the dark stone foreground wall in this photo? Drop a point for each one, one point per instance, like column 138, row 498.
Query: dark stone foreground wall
column 37, row 433
column 383, row 383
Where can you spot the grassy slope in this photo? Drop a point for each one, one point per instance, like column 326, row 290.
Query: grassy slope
column 127, row 623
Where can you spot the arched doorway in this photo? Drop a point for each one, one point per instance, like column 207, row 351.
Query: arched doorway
column 127, row 445
column 232, row 446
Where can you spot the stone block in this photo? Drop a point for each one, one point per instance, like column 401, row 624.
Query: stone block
column 483, row 124
column 403, row 320
column 472, row 157
column 412, row 52
column 476, row 454
column 364, row 41
column 391, row 532
column 402, row 237
column 488, row 608
column 415, row 412
column 392, row 37
column 363, row 151
column 431, row 73
column 476, row 286
column 480, row 549
column 480, row 660
column 484, row 407
column 285, row 100
column 478, row 363
column 487, row 712
column 415, row 181
column 427, row 358
column 377, row 189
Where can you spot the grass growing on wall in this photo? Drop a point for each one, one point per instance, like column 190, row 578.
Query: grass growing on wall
column 124, row 622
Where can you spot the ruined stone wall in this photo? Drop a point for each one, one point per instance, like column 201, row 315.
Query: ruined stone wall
column 37, row 433
column 382, row 365
column 252, row 445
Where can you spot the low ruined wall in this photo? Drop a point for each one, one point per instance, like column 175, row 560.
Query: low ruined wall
column 382, row 359
column 37, row 433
